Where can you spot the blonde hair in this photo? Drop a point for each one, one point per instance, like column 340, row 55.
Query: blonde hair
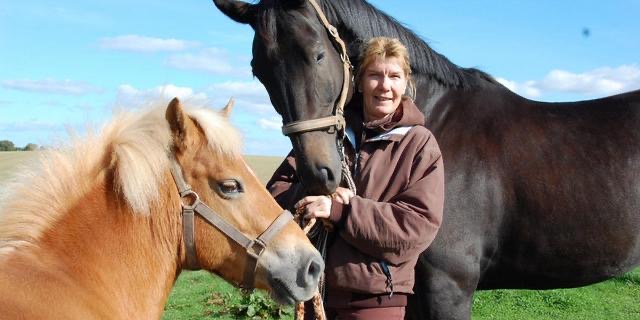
column 385, row 47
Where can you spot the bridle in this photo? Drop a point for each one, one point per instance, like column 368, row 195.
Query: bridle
column 336, row 120
column 192, row 205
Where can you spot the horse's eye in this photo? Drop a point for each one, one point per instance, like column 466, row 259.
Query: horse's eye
column 320, row 56
column 230, row 188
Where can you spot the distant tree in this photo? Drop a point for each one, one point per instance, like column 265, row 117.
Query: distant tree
column 31, row 147
column 6, row 145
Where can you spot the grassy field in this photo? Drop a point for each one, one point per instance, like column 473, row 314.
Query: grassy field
column 198, row 295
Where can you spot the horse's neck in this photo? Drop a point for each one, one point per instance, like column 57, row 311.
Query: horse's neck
column 124, row 261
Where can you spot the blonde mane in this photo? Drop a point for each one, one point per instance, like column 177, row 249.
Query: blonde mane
column 132, row 149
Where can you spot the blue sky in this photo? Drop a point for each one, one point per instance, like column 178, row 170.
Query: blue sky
column 66, row 64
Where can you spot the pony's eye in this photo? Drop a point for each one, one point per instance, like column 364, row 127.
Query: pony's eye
column 320, row 56
column 230, row 188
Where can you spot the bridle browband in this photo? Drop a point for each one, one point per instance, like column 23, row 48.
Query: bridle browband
column 336, row 120
column 254, row 247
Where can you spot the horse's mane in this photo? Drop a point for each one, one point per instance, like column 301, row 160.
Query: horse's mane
column 364, row 21
column 130, row 153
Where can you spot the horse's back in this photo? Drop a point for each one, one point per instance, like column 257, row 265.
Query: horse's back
column 540, row 195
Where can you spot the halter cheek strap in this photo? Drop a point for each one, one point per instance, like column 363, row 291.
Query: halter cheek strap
column 191, row 205
column 336, row 120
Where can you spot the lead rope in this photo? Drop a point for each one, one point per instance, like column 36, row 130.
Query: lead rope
column 322, row 234
column 321, row 245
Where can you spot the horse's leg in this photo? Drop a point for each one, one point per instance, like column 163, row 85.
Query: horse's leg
column 443, row 290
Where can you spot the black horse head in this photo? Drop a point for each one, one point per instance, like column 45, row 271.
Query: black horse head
column 297, row 61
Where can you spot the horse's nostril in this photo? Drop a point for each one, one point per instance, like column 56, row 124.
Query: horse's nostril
column 326, row 174
column 314, row 271
column 326, row 181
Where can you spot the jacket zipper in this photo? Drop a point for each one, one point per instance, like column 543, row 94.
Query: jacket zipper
column 356, row 162
column 387, row 273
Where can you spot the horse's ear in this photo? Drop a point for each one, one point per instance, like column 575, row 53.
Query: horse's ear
column 226, row 111
column 179, row 123
column 238, row 11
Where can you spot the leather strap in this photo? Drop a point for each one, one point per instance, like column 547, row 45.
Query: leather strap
column 336, row 121
column 188, row 226
column 188, row 221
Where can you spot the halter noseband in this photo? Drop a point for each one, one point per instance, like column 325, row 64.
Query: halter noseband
column 336, row 120
column 254, row 247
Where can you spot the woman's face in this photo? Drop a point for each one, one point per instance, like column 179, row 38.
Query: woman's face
column 382, row 84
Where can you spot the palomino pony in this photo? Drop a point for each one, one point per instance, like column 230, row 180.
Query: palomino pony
column 97, row 231
column 538, row 195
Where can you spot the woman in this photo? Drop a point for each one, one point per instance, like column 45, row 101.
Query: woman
column 396, row 164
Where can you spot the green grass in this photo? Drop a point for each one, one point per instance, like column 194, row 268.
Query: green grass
column 199, row 295
column 616, row 299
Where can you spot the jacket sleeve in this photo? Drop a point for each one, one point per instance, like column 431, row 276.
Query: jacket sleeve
column 398, row 230
column 284, row 185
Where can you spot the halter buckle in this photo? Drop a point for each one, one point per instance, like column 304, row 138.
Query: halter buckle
column 256, row 248
column 189, row 195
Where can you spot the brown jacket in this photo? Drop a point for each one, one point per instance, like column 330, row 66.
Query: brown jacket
column 394, row 217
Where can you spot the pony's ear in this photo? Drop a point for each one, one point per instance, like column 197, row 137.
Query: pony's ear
column 226, row 111
column 179, row 123
column 238, row 11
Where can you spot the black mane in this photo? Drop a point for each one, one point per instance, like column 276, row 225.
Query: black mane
column 366, row 21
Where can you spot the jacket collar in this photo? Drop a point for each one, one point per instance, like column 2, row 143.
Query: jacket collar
column 389, row 129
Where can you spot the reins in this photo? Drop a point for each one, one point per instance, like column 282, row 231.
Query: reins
column 192, row 205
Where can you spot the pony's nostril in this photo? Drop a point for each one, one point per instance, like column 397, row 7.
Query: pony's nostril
column 314, row 270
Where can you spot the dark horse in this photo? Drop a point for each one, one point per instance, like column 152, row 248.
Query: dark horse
column 539, row 195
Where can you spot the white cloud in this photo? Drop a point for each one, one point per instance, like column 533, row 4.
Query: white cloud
column 598, row 82
column 136, row 43
column 249, row 94
column 527, row 89
column 129, row 96
column 68, row 87
column 211, row 60
column 273, row 123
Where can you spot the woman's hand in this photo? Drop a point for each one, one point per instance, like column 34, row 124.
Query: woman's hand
column 315, row 206
column 320, row 206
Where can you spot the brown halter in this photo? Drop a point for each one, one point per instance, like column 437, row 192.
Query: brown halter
column 191, row 205
column 336, row 120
